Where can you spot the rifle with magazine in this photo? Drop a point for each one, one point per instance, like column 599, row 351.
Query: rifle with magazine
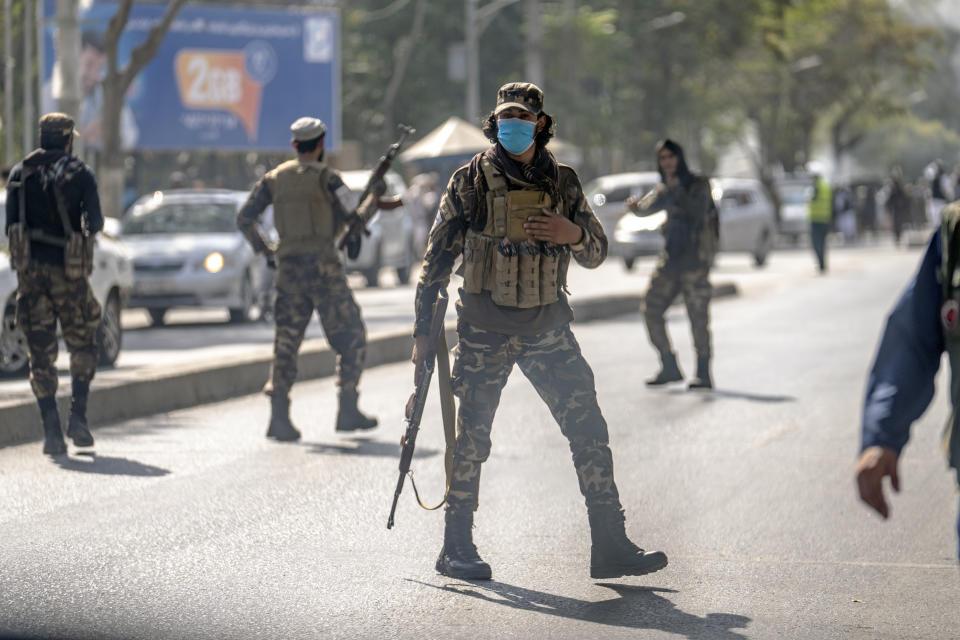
column 437, row 357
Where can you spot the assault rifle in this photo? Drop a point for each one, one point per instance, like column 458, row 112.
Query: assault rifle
column 417, row 401
column 358, row 227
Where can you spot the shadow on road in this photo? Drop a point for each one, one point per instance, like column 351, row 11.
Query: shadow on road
column 635, row 608
column 109, row 466
column 710, row 396
column 367, row 447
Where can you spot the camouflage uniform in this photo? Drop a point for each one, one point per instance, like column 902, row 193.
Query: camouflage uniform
column 684, row 264
column 308, row 281
column 551, row 360
column 52, row 197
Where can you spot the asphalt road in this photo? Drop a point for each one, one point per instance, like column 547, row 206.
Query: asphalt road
column 191, row 524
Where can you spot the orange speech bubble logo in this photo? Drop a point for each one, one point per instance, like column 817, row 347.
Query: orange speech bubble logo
column 210, row 79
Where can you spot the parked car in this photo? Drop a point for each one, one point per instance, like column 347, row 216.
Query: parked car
column 607, row 196
column 111, row 281
column 188, row 252
column 796, row 192
column 747, row 223
column 391, row 243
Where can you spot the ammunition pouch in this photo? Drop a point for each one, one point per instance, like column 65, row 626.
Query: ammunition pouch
column 78, row 256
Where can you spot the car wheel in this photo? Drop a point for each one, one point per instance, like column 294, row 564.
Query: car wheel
column 242, row 314
column 629, row 263
column 14, row 353
column 110, row 332
column 157, row 315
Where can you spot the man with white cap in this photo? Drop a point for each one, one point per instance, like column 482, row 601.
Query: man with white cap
column 308, row 215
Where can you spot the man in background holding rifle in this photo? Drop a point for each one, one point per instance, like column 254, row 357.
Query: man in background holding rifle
column 309, row 215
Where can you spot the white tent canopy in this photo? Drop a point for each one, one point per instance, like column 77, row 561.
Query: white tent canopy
column 457, row 137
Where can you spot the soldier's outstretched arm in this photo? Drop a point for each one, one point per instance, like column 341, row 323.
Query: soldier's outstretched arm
column 91, row 202
column 650, row 202
column 443, row 247
column 591, row 251
column 249, row 214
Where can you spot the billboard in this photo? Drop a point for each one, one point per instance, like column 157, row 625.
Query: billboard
column 223, row 78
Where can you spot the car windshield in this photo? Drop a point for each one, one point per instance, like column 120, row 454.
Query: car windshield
column 796, row 194
column 184, row 217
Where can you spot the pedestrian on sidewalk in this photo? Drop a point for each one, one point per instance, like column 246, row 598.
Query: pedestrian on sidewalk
column 691, row 236
column 53, row 212
column 516, row 216
column 924, row 323
column 821, row 216
column 308, row 215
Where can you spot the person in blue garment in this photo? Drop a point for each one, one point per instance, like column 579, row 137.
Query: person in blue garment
column 924, row 323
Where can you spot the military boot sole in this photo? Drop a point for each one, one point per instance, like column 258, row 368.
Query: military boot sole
column 283, row 435
column 647, row 563
column 700, row 384
column 662, row 380
column 80, row 437
column 476, row 572
column 358, row 426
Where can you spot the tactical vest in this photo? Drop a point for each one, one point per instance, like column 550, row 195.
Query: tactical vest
column 518, row 271
column 822, row 204
column 302, row 211
column 949, row 276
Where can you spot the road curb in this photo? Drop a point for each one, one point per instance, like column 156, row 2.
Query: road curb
column 170, row 388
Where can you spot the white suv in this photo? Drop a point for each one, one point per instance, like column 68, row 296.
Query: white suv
column 112, row 280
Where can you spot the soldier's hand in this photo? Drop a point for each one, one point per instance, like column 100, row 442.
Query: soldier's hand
column 873, row 465
column 553, row 227
column 632, row 203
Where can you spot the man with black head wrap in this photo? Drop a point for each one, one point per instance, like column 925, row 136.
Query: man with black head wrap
column 691, row 235
column 517, row 216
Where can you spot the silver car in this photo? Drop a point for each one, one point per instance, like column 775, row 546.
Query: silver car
column 747, row 223
column 187, row 252
column 391, row 243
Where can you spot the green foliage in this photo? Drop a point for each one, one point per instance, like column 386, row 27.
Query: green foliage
column 909, row 142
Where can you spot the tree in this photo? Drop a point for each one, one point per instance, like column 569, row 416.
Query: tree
column 116, row 82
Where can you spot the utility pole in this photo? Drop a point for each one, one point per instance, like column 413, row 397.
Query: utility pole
column 533, row 58
column 478, row 19
column 28, row 118
column 8, row 66
column 68, row 58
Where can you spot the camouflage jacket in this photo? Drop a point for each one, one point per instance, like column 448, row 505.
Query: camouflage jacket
column 450, row 226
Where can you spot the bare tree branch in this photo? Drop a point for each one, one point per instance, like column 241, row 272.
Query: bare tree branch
column 145, row 51
column 112, row 36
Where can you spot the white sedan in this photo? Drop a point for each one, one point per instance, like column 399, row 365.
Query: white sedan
column 111, row 281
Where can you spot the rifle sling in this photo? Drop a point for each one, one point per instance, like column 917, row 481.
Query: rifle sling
column 448, row 411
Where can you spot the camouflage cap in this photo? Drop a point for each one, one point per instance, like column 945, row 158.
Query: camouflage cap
column 522, row 95
column 57, row 123
column 307, row 128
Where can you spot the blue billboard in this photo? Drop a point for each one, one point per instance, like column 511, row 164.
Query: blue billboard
column 223, row 79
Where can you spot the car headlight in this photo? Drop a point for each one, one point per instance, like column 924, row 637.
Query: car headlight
column 214, row 262
column 631, row 223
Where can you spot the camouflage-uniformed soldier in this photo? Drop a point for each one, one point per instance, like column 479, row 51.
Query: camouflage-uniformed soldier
column 691, row 233
column 516, row 216
column 308, row 215
column 49, row 184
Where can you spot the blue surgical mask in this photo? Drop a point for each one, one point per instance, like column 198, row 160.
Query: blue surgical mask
column 515, row 135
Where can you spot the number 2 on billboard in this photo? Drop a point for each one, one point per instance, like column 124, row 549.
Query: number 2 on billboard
column 212, row 85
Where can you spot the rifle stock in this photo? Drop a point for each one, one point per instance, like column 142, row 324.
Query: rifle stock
column 414, row 412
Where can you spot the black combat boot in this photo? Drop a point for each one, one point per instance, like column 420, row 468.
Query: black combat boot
column 77, row 427
column 280, row 426
column 349, row 417
column 459, row 557
column 703, row 379
column 669, row 371
column 612, row 554
column 53, row 443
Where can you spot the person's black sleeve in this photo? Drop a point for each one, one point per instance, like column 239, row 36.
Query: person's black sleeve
column 91, row 203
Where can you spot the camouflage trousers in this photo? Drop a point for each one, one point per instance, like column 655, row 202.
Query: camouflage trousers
column 665, row 286
column 305, row 284
column 554, row 365
column 44, row 296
